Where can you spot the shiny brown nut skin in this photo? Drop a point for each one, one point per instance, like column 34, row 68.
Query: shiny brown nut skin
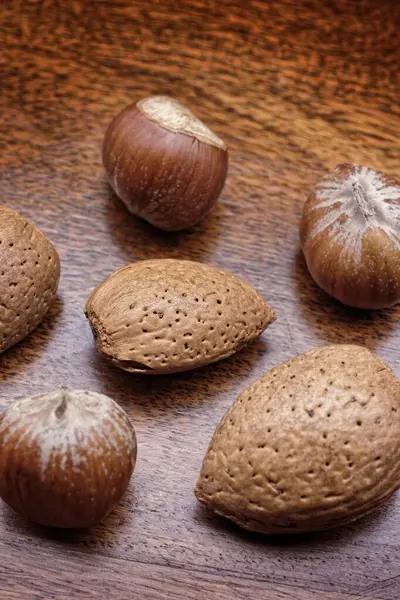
column 350, row 236
column 66, row 457
column 313, row 444
column 169, row 315
column 164, row 164
column 29, row 276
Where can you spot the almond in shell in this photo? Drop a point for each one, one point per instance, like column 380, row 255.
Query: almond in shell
column 168, row 315
column 313, row 444
column 29, row 275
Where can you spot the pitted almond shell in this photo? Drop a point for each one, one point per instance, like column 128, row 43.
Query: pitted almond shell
column 168, row 315
column 29, row 275
column 313, row 444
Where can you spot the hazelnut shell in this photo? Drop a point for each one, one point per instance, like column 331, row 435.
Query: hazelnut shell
column 65, row 457
column 350, row 236
column 164, row 164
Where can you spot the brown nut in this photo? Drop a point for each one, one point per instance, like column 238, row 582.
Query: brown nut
column 65, row 457
column 313, row 444
column 168, row 315
column 29, row 275
column 350, row 235
column 165, row 164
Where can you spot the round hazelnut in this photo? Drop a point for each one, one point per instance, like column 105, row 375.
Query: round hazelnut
column 164, row 164
column 65, row 457
column 350, row 236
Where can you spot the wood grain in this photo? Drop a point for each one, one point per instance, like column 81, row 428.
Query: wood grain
column 294, row 87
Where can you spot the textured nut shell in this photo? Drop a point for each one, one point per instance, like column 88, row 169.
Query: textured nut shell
column 167, row 315
column 313, row 444
column 65, row 457
column 29, row 275
column 355, row 259
column 170, row 179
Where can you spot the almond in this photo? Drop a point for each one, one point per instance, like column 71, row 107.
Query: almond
column 313, row 444
column 29, row 275
column 167, row 315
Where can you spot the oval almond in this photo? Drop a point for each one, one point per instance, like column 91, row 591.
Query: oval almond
column 313, row 444
column 168, row 315
column 29, row 275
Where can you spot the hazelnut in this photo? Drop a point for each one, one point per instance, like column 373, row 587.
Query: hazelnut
column 65, row 457
column 350, row 236
column 164, row 164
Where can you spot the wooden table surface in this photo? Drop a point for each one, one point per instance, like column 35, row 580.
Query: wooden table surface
column 294, row 87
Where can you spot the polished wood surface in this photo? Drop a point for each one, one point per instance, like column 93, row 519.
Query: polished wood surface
column 294, row 87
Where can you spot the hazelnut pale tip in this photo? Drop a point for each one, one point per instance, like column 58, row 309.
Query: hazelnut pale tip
column 174, row 116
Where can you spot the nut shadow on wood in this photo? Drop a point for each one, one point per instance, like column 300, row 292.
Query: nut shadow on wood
column 174, row 392
column 312, row 540
column 138, row 239
column 107, row 530
column 15, row 360
column 336, row 323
